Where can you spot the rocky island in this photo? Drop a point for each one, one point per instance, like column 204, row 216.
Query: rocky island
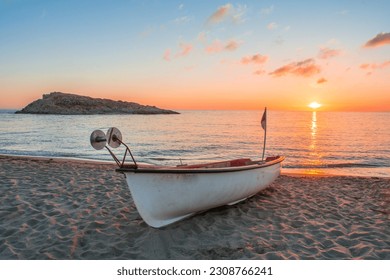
column 71, row 104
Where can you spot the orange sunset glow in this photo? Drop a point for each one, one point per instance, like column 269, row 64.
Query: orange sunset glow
column 189, row 55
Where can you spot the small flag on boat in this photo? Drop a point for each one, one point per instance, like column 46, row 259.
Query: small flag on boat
column 264, row 119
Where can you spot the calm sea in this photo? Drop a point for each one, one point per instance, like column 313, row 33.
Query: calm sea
column 313, row 142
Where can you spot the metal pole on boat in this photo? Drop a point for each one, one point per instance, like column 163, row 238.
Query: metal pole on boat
column 264, row 126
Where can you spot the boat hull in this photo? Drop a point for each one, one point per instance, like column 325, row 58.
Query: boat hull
column 166, row 196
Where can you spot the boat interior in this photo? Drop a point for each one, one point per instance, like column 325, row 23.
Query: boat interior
column 227, row 163
column 219, row 164
column 211, row 165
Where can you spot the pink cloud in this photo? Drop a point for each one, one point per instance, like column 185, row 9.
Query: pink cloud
column 374, row 66
column 305, row 68
column 321, row 81
column 167, row 55
column 231, row 45
column 185, row 50
column 202, row 37
column 326, row 53
column 220, row 14
column 379, row 40
column 259, row 72
column 215, row 47
column 218, row 46
column 272, row 26
column 255, row 59
column 228, row 12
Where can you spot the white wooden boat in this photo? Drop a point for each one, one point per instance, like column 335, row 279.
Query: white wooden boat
column 164, row 195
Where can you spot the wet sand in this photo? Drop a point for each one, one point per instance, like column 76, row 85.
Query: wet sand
column 62, row 209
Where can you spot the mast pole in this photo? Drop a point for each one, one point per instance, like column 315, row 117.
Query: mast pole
column 264, row 125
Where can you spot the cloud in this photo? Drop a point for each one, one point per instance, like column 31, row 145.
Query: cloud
column 215, row 47
column 228, row 12
column 267, row 11
column 185, row 49
column 239, row 13
column 305, row 68
column 375, row 66
column 231, row 45
column 220, row 14
column 379, row 40
column 254, row 59
column 167, row 55
column 321, row 81
column 202, row 37
column 272, row 26
column 182, row 20
column 218, row 46
column 326, row 53
column 259, row 72
column 332, row 42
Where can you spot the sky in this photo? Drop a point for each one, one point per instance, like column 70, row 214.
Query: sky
column 214, row 55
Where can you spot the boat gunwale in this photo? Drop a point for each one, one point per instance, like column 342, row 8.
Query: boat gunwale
column 178, row 170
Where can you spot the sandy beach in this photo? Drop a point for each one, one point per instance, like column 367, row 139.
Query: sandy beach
column 64, row 209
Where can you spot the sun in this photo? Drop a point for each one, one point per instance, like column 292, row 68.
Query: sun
column 314, row 105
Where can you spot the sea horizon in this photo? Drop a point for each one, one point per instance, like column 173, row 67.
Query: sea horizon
column 12, row 110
